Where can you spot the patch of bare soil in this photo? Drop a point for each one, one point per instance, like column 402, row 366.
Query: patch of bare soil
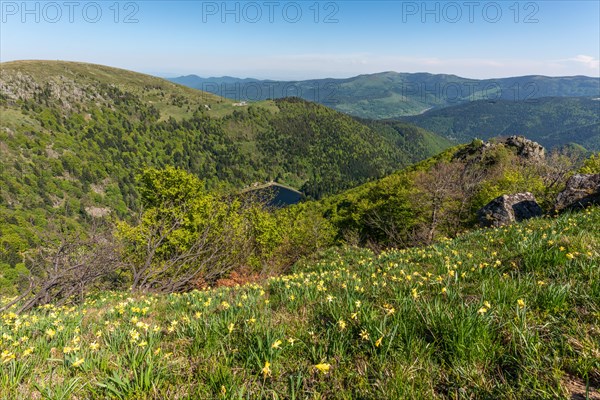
column 577, row 390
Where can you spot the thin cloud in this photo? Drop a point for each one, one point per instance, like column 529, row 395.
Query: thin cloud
column 588, row 61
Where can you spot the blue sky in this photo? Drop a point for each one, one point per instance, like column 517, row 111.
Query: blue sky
column 309, row 39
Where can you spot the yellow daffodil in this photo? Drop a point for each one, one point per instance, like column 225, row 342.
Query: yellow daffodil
column 266, row 371
column 134, row 335
column 364, row 335
column 389, row 310
column 7, row 356
column 78, row 362
column 323, row 368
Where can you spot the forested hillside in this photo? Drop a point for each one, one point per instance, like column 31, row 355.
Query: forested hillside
column 74, row 136
column 551, row 121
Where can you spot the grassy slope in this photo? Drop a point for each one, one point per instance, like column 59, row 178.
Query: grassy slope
column 147, row 87
column 509, row 313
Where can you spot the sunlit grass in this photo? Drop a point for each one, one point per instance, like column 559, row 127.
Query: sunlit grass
column 507, row 313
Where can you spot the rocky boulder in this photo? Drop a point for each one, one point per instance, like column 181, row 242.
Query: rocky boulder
column 581, row 191
column 509, row 208
column 526, row 148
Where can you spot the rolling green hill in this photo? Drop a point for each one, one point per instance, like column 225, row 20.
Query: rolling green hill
column 391, row 95
column 73, row 137
column 551, row 121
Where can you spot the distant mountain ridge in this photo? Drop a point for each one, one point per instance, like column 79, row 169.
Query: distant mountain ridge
column 551, row 121
column 388, row 95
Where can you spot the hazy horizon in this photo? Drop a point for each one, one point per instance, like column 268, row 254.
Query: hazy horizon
column 171, row 75
column 299, row 40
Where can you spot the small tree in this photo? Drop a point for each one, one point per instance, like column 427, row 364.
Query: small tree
column 305, row 231
column 183, row 234
column 591, row 165
column 66, row 266
column 438, row 196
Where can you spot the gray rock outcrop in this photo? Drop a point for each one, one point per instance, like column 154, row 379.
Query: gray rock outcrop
column 580, row 192
column 526, row 148
column 509, row 208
